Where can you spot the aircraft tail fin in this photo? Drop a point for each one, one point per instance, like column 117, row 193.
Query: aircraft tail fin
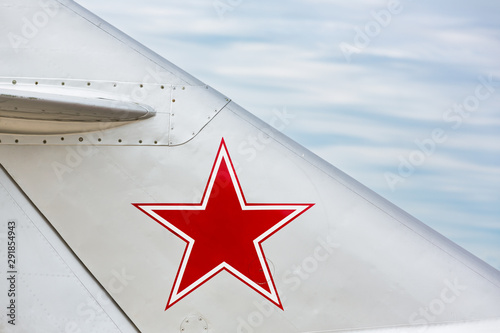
column 245, row 230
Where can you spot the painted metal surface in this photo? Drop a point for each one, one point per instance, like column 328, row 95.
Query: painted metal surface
column 352, row 261
column 97, row 61
column 223, row 233
column 180, row 112
column 53, row 107
column 48, row 288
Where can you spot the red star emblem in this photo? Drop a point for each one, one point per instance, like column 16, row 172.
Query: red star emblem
column 223, row 232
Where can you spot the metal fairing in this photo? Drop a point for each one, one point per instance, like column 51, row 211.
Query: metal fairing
column 171, row 221
column 162, row 114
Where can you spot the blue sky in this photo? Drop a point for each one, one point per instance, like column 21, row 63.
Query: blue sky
column 402, row 95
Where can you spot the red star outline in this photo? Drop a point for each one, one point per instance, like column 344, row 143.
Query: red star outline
column 152, row 211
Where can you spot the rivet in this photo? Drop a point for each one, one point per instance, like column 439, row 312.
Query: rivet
column 88, row 83
column 36, row 83
column 62, row 138
column 141, row 85
column 114, row 84
column 140, row 141
column 183, row 88
column 62, row 83
column 156, row 142
column 16, row 141
column 44, row 141
column 99, row 139
column 119, row 140
column 14, row 81
column 162, row 87
column 80, row 139
column 173, row 101
column 199, row 318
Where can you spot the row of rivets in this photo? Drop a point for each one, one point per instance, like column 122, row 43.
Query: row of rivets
column 81, row 140
column 88, row 84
